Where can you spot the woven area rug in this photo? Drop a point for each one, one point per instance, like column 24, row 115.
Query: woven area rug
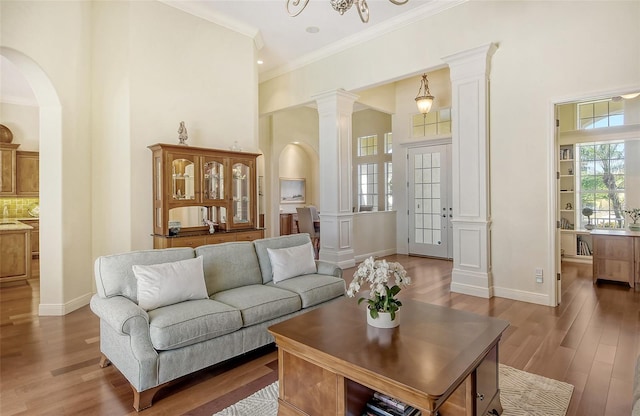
column 521, row 393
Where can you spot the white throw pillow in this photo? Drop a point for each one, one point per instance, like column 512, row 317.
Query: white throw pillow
column 291, row 262
column 168, row 283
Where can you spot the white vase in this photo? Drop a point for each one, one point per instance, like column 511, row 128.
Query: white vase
column 383, row 320
column 634, row 227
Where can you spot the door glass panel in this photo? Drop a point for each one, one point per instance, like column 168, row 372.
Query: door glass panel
column 429, row 221
column 183, row 179
column 241, row 194
column 213, row 180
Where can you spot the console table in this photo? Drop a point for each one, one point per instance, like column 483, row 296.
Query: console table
column 330, row 361
column 616, row 256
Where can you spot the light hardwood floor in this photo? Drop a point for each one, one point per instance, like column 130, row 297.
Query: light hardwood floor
column 49, row 365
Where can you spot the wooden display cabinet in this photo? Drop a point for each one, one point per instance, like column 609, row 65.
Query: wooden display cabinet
column 191, row 184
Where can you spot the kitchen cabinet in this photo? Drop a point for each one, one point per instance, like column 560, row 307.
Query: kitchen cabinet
column 15, row 252
column 27, row 173
column 8, row 169
column 19, row 171
column 35, row 235
column 194, row 184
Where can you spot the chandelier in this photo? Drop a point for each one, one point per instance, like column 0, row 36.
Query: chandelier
column 424, row 99
column 295, row 7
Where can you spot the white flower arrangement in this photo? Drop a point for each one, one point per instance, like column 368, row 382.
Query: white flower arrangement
column 378, row 273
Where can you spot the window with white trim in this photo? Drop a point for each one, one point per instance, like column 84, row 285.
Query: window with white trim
column 374, row 172
column 601, row 184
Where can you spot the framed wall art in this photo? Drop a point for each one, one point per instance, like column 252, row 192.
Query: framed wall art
column 292, row 191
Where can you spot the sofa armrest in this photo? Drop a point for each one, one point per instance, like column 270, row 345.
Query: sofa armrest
column 120, row 313
column 328, row 269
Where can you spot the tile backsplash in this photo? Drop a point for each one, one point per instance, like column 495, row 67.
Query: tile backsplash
column 17, row 207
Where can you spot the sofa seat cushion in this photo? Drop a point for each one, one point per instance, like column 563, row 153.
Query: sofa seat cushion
column 260, row 303
column 313, row 288
column 191, row 322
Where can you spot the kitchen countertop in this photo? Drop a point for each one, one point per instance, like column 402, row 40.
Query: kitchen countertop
column 13, row 225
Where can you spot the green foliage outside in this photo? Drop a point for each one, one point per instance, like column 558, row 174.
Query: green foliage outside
column 602, row 183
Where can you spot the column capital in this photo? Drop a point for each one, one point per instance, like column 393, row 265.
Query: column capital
column 335, row 100
column 472, row 62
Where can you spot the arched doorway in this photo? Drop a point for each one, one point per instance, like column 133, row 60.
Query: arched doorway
column 51, row 236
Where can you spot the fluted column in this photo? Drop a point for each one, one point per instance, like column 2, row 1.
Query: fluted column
column 336, row 217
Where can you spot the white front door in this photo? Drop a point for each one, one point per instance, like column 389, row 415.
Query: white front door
column 430, row 207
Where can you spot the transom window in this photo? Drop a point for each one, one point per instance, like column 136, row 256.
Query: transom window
column 603, row 113
column 433, row 123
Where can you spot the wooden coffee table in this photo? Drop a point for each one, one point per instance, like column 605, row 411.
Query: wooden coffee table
column 439, row 360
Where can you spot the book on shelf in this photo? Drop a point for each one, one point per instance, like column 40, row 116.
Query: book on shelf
column 379, row 407
column 391, row 401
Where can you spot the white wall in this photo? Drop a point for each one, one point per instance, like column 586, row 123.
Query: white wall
column 540, row 60
column 126, row 74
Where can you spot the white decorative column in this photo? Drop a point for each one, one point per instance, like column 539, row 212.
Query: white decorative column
column 336, row 218
column 469, row 71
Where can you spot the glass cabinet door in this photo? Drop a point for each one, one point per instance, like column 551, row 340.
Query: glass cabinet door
column 213, row 180
column 241, row 192
column 183, row 179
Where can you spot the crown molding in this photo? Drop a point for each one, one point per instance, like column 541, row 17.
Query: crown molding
column 199, row 9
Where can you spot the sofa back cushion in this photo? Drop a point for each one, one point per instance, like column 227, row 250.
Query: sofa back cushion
column 114, row 273
column 229, row 265
column 263, row 244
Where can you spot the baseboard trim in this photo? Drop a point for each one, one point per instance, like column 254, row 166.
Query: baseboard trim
column 379, row 253
column 61, row 309
column 522, row 295
column 478, row 291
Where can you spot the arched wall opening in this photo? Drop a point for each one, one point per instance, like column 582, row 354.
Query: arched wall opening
column 50, row 147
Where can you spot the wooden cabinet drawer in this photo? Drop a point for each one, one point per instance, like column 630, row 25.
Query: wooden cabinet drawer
column 220, row 238
column 188, row 241
column 249, row 235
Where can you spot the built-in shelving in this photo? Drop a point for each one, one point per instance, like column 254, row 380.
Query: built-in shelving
column 576, row 244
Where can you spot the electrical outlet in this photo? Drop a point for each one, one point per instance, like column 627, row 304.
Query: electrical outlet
column 538, row 275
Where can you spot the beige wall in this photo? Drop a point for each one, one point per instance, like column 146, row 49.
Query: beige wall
column 538, row 62
column 24, row 123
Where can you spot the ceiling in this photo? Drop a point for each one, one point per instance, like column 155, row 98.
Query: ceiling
column 284, row 43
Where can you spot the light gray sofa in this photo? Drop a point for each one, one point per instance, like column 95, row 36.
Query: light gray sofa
column 153, row 348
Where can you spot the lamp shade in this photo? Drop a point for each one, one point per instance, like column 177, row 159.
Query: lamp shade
column 424, row 99
column 424, row 103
